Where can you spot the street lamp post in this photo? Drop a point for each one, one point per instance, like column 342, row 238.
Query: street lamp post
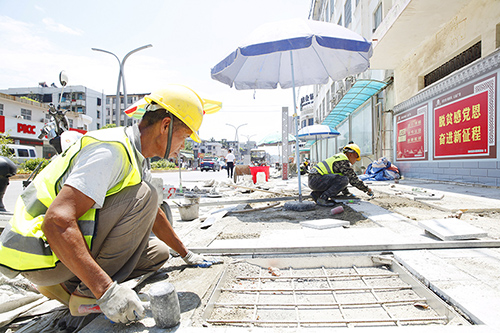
column 236, row 136
column 121, row 77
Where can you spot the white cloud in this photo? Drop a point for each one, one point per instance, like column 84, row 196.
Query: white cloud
column 39, row 8
column 52, row 25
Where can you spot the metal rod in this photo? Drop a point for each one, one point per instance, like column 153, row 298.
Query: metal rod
column 240, row 290
column 372, row 291
column 353, row 248
column 336, row 304
column 346, row 321
column 317, row 276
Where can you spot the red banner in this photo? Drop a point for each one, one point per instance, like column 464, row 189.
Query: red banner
column 461, row 128
column 411, row 138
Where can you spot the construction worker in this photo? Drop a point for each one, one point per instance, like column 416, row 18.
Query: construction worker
column 304, row 167
column 328, row 178
column 84, row 225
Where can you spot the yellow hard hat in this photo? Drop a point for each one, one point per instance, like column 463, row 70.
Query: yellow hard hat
column 353, row 147
column 183, row 103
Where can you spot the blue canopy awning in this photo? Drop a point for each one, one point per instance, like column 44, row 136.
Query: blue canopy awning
column 359, row 93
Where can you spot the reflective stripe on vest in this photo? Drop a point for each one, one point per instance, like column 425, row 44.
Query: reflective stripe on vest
column 23, row 246
column 325, row 167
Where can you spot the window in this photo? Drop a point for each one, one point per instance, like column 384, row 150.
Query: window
column 340, row 20
column 98, row 126
column 26, row 114
column 1, row 109
column 107, row 109
column 32, row 153
column 107, row 100
column 377, row 17
column 130, row 100
column 70, row 122
column 98, row 114
column 347, row 13
column 47, row 98
column 310, row 121
column 79, row 109
column 98, row 101
column 23, row 152
column 80, row 96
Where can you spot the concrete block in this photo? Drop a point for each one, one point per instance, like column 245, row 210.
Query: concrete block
column 451, row 229
column 487, row 165
column 438, row 170
column 471, row 165
column 488, row 181
column 468, row 179
column 454, row 164
column 494, row 173
column 324, row 223
column 463, row 172
column 479, row 172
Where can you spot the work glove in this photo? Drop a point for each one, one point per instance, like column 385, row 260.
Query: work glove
column 121, row 304
column 370, row 193
column 197, row 260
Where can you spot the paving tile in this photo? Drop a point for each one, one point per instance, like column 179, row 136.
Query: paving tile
column 452, row 229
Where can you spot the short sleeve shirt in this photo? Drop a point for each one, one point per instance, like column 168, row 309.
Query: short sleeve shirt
column 97, row 168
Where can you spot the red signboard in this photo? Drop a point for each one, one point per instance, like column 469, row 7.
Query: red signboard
column 461, row 127
column 411, row 135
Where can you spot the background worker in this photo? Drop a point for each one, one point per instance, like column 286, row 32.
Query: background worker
column 83, row 226
column 331, row 176
column 230, row 163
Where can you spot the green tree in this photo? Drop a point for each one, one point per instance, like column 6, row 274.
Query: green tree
column 108, row 126
column 4, row 149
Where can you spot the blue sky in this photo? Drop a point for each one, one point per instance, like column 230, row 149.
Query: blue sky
column 38, row 39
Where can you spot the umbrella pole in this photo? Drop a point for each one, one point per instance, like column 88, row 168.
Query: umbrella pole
column 296, row 129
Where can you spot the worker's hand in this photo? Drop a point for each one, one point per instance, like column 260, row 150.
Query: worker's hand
column 197, row 260
column 370, row 193
column 121, row 304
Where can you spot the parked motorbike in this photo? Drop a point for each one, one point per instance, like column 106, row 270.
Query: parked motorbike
column 54, row 129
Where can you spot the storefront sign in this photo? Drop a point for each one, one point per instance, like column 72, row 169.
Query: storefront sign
column 465, row 126
column 21, row 129
column 412, row 135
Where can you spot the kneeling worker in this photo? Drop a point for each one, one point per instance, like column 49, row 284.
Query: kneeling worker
column 84, row 225
column 331, row 176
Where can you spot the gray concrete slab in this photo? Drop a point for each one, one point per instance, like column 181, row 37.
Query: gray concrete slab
column 324, row 223
column 452, row 229
column 466, row 278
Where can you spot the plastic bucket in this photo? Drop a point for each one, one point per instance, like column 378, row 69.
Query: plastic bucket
column 189, row 212
column 261, row 177
column 256, row 169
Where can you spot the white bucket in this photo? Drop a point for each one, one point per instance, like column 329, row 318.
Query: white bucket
column 261, row 177
column 189, row 212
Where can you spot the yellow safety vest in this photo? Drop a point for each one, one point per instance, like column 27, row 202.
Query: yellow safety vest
column 23, row 246
column 325, row 167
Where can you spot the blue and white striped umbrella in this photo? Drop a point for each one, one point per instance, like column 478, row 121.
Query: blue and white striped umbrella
column 320, row 50
column 317, row 132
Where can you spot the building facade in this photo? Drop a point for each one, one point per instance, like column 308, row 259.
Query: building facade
column 434, row 73
column 84, row 106
column 22, row 120
column 110, row 113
